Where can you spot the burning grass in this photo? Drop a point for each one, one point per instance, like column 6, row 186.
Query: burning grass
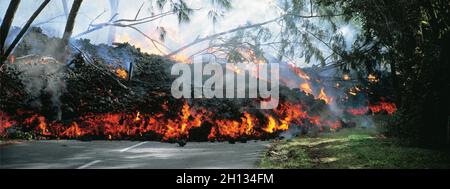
column 355, row 148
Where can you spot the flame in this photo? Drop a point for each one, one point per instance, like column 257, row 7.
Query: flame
column 346, row 77
column 358, row 111
column 323, row 96
column 41, row 124
column 112, row 126
column 390, row 108
column 236, row 69
column 372, row 78
column 5, row 123
column 300, row 73
column 249, row 121
column 138, row 117
column 73, row 132
column 305, row 87
column 180, row 58
column 250, row 56
column 354, row 91
column 338, row 85
column 271, row 125
column 122, row 38
column 121, row 73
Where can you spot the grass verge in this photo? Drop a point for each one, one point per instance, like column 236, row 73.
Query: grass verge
column 356, row 148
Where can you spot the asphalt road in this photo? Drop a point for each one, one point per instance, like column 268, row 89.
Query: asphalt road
column 66, row 154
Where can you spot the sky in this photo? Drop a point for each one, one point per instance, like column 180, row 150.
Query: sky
column 244, row 11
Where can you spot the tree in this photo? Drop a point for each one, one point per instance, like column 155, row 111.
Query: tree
column 6, row 25
column 114, row 4
column 69, row 28
column 303, row 33
column 412, row 37
column 25, row 29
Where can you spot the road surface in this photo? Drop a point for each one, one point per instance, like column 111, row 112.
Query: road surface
column 65, row 154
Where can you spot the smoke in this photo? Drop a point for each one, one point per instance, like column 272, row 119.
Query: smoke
column 53, row 20
column 293, row 131
column 42, row 76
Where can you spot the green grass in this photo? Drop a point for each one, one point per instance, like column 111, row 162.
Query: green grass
column 351, row 149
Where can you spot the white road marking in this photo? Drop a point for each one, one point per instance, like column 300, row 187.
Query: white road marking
column 131, row 147
column 89, row 164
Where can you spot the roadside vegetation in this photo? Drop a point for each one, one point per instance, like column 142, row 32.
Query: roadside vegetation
column 355, row 148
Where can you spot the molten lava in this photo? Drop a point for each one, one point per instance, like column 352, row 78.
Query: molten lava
column 389, row 108
column 112, row 126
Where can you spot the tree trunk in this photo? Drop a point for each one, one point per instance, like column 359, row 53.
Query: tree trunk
column 112, row 30
column 25, row 28
column 6, row 25
column 396, row 83
column 69, row 28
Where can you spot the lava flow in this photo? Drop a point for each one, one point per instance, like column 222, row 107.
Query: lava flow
column 386, row 107
column 160, row 127
column 187, row 119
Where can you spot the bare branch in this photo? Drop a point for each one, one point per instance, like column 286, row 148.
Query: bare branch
column 199, row 40
column 240, row 28
column 97, row 17
column 139, row 11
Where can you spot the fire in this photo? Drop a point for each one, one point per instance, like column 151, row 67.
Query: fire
column 271, row 125
column 249, row 121
column 138, row 117
column 250, row 56
column 73, row 132
column 236, row 69
column 390, row 108
column 354, row 91
column 372, row 78
column 323, row 96
column 235, row 128
column 346, row 77
column 358, row 111
column 166, row 126
column 305, row 87
column 300, row 73
column 121, row 73
column 180, row 58
column 5, row 122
